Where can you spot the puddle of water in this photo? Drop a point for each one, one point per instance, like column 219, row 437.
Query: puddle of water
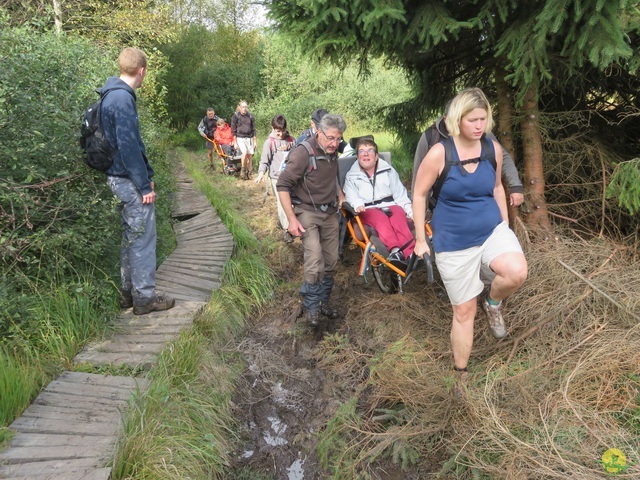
column 278, row 427
column 284, row 397
column 274, row 441
column 296, row 470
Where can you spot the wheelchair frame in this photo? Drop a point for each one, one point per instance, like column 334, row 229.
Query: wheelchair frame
column 230, row 163
column 389, row 278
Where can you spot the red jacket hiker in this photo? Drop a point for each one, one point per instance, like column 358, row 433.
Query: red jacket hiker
column 223, row 135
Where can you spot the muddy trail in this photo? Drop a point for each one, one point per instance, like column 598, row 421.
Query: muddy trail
column 287, row 396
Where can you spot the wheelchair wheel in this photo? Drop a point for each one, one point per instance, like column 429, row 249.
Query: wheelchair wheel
column 386, row 279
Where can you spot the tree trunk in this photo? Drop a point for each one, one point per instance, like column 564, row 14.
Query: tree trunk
column 57, row 15
column 536, row 214
column 505, row 129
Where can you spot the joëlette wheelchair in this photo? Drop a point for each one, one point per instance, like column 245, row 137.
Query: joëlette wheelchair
column 231, row 161
column 390, row 276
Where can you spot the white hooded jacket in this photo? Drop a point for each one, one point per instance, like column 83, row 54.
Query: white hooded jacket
column 360, row 189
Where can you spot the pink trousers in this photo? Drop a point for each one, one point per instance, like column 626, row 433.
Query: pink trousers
column 392, row 230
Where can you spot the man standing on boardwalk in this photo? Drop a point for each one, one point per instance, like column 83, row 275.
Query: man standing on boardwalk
column 130, row 180
column 243, row 126
column 309, row 193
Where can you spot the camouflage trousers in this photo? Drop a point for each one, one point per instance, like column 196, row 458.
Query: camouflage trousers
column 138, row 245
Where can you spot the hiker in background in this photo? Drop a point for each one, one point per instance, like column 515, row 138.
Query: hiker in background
column 316, row 116
column 274, row 151
column 207, row 129
column 312, row 210
column 438, row 131
column 470, row 224
column 374, row 190
column 130, row 180
column 223, row 136
column 243, row 126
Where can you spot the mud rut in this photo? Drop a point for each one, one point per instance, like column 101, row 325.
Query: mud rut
column 285, row 397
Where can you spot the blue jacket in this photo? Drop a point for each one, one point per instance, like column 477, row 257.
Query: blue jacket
column 122, row 130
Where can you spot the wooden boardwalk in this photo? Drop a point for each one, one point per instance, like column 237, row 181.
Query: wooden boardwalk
column 70, row 430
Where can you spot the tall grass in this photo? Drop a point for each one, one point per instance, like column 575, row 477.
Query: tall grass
column 34, row 352
column 181, row 427
column 20, row 377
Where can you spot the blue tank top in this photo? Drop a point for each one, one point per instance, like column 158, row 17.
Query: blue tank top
column 467, row 211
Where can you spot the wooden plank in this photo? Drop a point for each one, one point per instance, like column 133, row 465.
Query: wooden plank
column 189, row 281
column 207, row 217
column 124, row 345
column 176, row 315
column 59, row 440
column 200, row 221
column 215, row 226
column 152, row 330
column 111, row 380
column 211, row 236
column 61, row 399
column 149, row 337
column 90, row 474
column 195, row 265
column 217, row 256
column 199, row 271
column 84, row 390
column 55, row 452
column 182, row 293
column 32, row 469
column 64, row 425
column 206, row 286
column 143, row 321
column 99, row 359
column 205, row 246
column 53, row 412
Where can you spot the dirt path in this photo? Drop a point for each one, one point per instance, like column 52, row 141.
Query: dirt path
column 287, row 397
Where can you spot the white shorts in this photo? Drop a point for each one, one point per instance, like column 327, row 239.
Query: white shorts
column 465, row 272
column 245, row 145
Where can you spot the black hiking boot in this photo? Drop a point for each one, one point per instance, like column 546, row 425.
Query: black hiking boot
column 126, row 299
column 159, row 304
column 313, row 317
column 327, row 311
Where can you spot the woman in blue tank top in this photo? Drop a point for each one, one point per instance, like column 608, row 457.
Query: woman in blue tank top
column 470, row 225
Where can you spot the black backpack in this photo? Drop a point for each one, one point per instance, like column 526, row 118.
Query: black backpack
column 98, row 152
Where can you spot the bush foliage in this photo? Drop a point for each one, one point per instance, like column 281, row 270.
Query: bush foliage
column 58, row 219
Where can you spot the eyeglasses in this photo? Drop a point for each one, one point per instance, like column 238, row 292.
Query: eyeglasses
column 369, row 151
column 331, row 139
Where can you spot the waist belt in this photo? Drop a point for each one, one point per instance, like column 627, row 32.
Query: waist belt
column 378, row 202
column 325, row 206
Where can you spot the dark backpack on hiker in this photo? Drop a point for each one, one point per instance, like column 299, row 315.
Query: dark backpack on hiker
column 488, row 153
column 313, row 165
column 312, row 158
column 98, row 152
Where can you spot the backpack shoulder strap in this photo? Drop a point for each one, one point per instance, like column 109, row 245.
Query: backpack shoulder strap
column 489, row 151
column 312, row 157
column 448, row 162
